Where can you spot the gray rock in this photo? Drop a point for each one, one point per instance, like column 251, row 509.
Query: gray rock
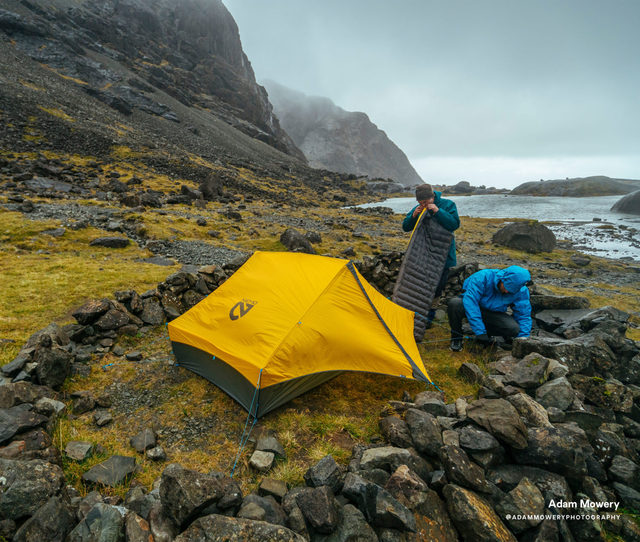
column 531, row 237
column 162, row 527
column 533, row 413
column 473, row 439
column 523, row 500
column 628, row 204
column 471, row 373
column 269, row 443
column 530, row 372
column 555, row 449
column 625, row 471
column 629, row 496
column 556, row 393
column 473, row 516
column 144, row 440
column 319, row 508
column 102, row 417
column 389, row 458
column 425, row 431
column 27, row 486
column 450, row 437
column 156, row 453
column 214, row 528
column 395, row 431
column 262, row 461
column 53, row 365
column 501, row 419
column 110, row 242
column 461, row 470
column 325, row 473
column 276, row 488
column 352, row 527
column 111, row 472
column 263, row 509
column 551, row 485
column 610, row 394
column 79, row 450
column 295, row 241
column 185, row 493
column 16, row 420
column 12, row 368
column 137, row 529
column 51, row 523
column 431, row 405
column 541, row 302
column 50, row 407
column 104, row 523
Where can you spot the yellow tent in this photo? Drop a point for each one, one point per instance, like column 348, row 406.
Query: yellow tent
column 286, row 322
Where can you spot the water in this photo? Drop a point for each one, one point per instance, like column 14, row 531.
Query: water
column 614, row 235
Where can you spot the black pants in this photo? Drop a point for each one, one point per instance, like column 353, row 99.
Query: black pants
column 497, row 323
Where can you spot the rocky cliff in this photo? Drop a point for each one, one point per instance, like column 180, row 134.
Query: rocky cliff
column 128, row 54
column 598, row 185
column 339, row 140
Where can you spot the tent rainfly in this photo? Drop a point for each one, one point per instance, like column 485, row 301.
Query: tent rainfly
column 287, row 322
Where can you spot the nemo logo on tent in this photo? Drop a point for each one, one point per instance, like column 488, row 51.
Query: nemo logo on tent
column 241, row 308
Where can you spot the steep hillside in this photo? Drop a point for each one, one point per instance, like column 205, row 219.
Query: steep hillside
column 339, row 140
column 598, row 185
column 178, row 61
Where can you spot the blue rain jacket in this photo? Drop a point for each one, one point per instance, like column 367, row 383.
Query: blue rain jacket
column 481, row 291
column 447, row 216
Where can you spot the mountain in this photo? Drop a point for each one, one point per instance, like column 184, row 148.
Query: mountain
column 177, row 60
column 339, row 140
column 598, row 185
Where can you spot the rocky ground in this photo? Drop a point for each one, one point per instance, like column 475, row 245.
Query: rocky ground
column 93, row 410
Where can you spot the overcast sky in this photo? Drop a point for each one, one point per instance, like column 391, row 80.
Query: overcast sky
column 495, row 92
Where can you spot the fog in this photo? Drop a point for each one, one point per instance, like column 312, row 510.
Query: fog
column 496, row 92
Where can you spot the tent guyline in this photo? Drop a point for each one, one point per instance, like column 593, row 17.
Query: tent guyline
column 294, row 321
column 244, row 439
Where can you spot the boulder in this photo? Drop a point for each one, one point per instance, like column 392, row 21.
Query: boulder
column 294, row 241
column 53, row 365
column 319, row 509
column 27, row 486
column 530, row 372
column 530, row 236
column 610, row 394
column 629, row 204
column 395, row 431
column 262, row 461
column 276, row 488
column 461, row 470
column 16, row 420
column 524, row 500
column 186, row 493
column 389, row 458
column 551, row 485
column 425, row 431
column 501, row 419
column 473, row 516
column 554, row 449
column 214, row 528
column 556, row 393
column 137, row 529
column 325, row 473
column 532, row 412
column 144, row 440
column 473, row 439
column 352, row 526
column 103, row 522
column 52, row 522
column 110, row 242
column 541, row 302
column 111, row 472
column 263, row 509
column 78, row 450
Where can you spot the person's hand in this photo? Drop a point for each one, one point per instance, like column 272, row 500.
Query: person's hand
column 485, row 340
column 432, row 207
column 417, row 211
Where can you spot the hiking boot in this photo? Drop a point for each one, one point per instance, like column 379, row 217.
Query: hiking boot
column 456, row 344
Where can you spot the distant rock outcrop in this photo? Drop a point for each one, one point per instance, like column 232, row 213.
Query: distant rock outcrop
column 628, row 204
column 598, row 185
column 338, row 140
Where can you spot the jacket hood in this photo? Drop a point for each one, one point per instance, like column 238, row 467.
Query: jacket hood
column 513, row 278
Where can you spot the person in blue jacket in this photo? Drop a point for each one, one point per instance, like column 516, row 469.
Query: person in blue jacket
column 446, row 213
column 486, row 296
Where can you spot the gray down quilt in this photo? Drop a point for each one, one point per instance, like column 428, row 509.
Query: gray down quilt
column 421, row 269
